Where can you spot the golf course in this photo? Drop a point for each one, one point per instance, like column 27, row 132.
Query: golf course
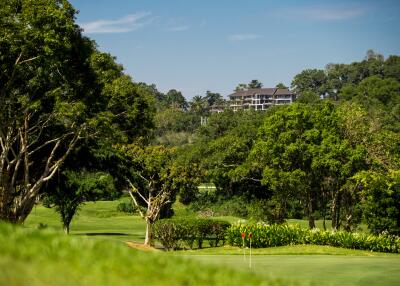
column 97, row 251
column 186, row 143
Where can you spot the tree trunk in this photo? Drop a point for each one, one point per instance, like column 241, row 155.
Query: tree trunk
column 19, row 186
column 335, row 211
column 311, row 220
column 66, row 229
column 147, row 239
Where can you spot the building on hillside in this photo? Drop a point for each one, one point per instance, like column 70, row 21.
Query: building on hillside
column 260, row 98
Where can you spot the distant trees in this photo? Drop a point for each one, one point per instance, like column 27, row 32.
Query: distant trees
column 311, row 80
column 174, row 98
column 299, row 149
column 280, row 85
column 330, row 81
column 252, row 84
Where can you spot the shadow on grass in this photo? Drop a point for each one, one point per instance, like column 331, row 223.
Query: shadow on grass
column 102, row 233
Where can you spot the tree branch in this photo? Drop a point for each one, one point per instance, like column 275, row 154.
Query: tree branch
column 136, row 203
column 137, row 191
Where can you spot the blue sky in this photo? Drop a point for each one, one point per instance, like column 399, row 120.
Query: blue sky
column 201, row 45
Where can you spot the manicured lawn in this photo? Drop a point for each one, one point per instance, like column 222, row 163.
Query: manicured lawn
column 97, row 220
column 302, row 264
column 36, row 258
column 315, row 269
column 285, row 250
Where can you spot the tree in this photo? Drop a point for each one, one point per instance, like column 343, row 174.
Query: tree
column 198, row 105
column 298, row 149
column 46, row 97
column 308, row 97
column 254, row 84
column 310, row 80
column 76, row 189
column 94, row 169
column 156, row 181
column 380, row 192
column 391, row 67
column 224, row 144
column 174, row 98
column 241, row 87
column 213, row 98
column 280, row 85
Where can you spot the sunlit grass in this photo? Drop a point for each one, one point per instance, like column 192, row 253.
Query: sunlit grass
column 95, row 219
column 33, row 257
column 304, row 264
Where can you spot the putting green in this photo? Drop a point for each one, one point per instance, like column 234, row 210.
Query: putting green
column 315, row 269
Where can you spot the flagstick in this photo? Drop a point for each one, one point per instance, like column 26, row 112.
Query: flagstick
column 250, row 253
column 244, row 249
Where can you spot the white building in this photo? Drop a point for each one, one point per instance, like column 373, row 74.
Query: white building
column 260, row 98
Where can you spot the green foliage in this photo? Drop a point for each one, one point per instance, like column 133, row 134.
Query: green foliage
column 302, row 154
column 380, row 193
column 310, row 80
column 265, row 235
column 125, row 207
column 172, row 232
column 46, row 93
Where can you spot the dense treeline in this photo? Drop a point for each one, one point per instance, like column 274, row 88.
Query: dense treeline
column 332, row 155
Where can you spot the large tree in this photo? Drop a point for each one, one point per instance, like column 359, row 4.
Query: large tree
column 155, row 181
column 45, row 98
column 301, row 147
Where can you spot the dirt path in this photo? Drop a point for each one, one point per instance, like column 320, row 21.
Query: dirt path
column 140, row 246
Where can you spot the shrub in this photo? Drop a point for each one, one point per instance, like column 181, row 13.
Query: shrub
column 125, row 207
column 269, row 235
column 173, row 232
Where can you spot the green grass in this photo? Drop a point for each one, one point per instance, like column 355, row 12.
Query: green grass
column 304, row 264
column 286, row 250
column 32, row 257
column 95, row 219
column 314, row 269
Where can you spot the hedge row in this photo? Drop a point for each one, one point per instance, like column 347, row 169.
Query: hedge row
column 173, row 233
column 265, row 235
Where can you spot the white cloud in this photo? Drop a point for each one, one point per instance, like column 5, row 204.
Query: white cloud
column 243, row 37
column 329, row 13
column 124, row 24
column 178, row 28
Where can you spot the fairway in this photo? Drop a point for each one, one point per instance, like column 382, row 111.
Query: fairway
column 300, row 264
column 95, row 219
column 315, row 269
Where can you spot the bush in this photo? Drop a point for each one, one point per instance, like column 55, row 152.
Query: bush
column 270, row 235
column 266, row 210
column 125, row 207
column 172, row 233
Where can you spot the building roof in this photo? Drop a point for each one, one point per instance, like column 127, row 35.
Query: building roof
column 264, row 91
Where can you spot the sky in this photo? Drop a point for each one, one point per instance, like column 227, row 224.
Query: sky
column 199, row 45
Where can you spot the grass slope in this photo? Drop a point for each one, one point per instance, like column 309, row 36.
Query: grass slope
column 32, row 257
column 95, row 219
